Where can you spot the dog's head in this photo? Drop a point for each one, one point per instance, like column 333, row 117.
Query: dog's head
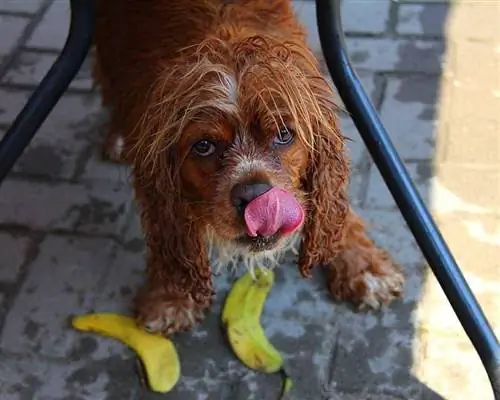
column 243, row 137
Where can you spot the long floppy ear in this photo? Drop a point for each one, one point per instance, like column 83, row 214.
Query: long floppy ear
column 325, row 182
column 176, row 250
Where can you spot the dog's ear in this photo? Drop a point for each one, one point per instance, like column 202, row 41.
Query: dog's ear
column 176, row 251
column 325, row 183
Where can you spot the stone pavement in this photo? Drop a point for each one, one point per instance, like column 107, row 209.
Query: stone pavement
column 70, row 242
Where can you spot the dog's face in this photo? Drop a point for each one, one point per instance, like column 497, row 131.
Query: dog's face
column 247, row 124
column 243, row 177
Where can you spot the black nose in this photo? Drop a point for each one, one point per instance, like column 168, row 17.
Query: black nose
column 244, row 193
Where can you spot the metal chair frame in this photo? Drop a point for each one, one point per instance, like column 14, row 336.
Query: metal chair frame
column 366, row 120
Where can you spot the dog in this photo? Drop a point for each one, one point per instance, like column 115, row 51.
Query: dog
column 232, row 136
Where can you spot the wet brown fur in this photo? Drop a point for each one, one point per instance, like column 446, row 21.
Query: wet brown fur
column 158, row 63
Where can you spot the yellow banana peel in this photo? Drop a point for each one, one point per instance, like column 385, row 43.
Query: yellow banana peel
column 241, row 320
column 287, row 386
column 157, row 353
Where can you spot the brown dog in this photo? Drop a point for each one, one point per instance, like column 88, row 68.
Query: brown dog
column 235, row 150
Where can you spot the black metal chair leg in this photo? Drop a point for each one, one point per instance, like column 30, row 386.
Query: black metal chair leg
column 52, row 87
column 402, row 189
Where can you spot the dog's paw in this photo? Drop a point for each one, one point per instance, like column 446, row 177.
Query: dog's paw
column 380, row 290
column 367, row 284
column 166, row 315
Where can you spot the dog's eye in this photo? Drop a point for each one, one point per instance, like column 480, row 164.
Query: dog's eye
column 203, row 148
column 284, row 137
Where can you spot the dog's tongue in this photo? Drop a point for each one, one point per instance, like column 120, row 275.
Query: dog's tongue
column 275, row 210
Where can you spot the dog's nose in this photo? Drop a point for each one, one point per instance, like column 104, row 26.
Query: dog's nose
column 244, row 193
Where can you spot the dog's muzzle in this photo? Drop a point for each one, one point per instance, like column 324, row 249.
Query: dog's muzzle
column 267, row 211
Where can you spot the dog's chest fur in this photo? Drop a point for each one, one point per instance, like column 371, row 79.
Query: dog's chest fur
column 224, row 254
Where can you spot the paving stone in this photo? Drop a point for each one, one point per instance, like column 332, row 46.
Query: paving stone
column 11, row 31
column 365, row 16
column 409, row 114
column 62, row 282
column 463, row 101
column 13, row 248
column 362, row 16
column 466, row 65
column 121, row 280
column 423, row 19
column 379, row 54
column 474, row 240
column 478, row 188
column 31, row 67
column 383, row 363
column 379, row 345
column 22, row 6
column 481, row 138
column 369, row 81
column 95, row 208
column 111, row 378
column 65, row 138
column 306, row 12
column 52, row 31
column 402, row 55
column 12, row 101
column 20, row 378
column 347, row 343
column 378, row 195
column 484, row 16
column 445, row 188
column 387, row 55
column 465, row 86
column 356, row 146
column 388, row 229
column 133, row 237
column 97, row 168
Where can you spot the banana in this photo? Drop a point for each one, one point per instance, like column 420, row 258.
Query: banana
column 157, row 353
column 235, row 299
column 287, row 386
column 252, row 347
column 241, row 317
column 241, row 320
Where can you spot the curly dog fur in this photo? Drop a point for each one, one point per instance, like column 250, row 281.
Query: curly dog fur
column 226, row 77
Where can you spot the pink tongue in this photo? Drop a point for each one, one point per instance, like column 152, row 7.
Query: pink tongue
column 276, row 210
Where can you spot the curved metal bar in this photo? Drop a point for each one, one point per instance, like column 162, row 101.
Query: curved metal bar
column 402, row 189
column 52, row 87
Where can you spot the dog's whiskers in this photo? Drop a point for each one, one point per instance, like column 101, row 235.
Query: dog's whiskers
column 229, row 256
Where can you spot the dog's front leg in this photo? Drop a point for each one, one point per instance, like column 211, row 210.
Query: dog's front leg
column 362, row 272
column 179, row 286
column 334, row 236
column 357, row 270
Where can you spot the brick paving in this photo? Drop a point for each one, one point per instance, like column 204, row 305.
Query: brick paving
column 70, row 239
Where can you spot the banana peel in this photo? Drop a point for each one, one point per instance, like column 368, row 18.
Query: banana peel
column 232, row 308
column 287, row 386
column 241, row 322
column 157, row 353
